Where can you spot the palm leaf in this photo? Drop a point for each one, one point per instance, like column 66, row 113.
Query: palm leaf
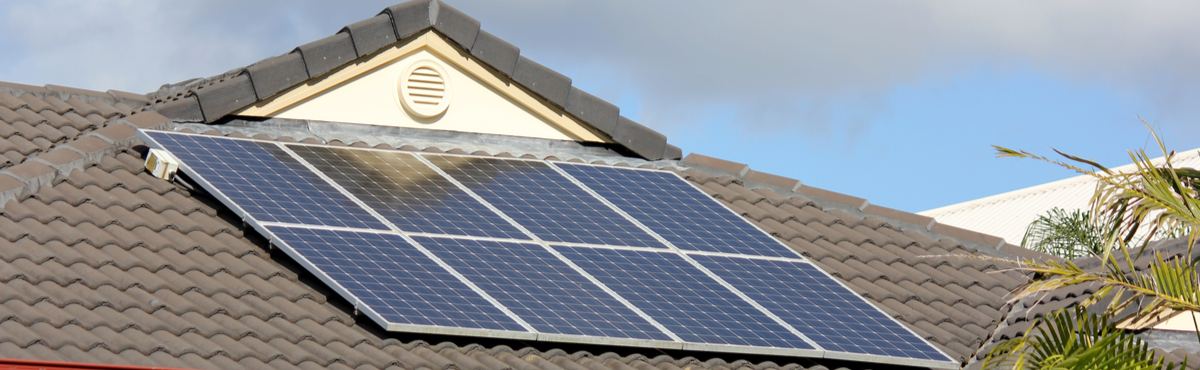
column 1075, row 339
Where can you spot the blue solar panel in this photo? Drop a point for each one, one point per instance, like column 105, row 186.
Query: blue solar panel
column 394, row 279
column 543, row 201
column 407, row 192
column 828, row 313
column 265, row 181
column 404, row 286
column 682, row 298
column 541, row 289
column 677, row 211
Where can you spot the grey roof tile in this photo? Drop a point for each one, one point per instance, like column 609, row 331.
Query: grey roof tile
column 495, row 52
column 639, row 139
column 410, row 17
column 372, row 34
column 455, row 24
column 595, row 111
column 222, row 98
column 277, row 73
column 324, row 55
column 550, row 85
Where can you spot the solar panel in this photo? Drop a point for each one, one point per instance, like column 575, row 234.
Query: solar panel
column 678, row 212
column 682, row 298
column 541, row 289
column 469, row 255
column 825, row 311
column 265, row 181
column 407, row 192
column 394, row 279
column 543, row 201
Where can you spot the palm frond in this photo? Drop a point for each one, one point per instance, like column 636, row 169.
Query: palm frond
column 1067, row 234
column 1075, row 339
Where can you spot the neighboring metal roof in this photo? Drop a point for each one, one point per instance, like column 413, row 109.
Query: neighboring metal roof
column 1007, row 215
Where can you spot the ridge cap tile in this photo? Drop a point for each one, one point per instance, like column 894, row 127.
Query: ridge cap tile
column 275, row 74
column 550, row 85
column 455, row 24
column 591, row 109
column 372, row 34
column 222, row 98
column 324, row 55
column 410, row 17
column 495, row 52
column 639, row 139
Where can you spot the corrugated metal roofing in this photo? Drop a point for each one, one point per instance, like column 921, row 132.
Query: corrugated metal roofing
column 1007, row 215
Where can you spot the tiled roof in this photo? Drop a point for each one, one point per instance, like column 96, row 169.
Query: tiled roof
column 215, row 98
column 38, row 119
column 109, row 264
column 101, row 262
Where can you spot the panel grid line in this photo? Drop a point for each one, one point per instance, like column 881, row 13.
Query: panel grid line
column 406, row 191
column 410, row 240
column 556, row 254
column 759, row 229
column 826, row 273
column 690, row 257
column 692, row 262
column 678, row 211
column 536, row 196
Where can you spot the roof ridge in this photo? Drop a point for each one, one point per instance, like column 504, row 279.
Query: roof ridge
column 66, row 92
column 49, row 167
column 784, row 185
column 213, row 99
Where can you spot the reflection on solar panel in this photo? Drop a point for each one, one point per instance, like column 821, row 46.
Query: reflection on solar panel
column 527, row 249
column 825, row 311
column 543, row 201
column 264, row 181
column 689, row 303
column 541, row 289
column 407, row 192
column 394, row 279
column 674, row 209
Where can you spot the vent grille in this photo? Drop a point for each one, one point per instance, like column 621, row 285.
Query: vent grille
column 424, row 90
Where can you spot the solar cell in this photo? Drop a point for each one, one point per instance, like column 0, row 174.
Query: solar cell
column 678, row 212
column 407, row 192
column 543, row 201
column 265, row 181
column 825, row 311
column 682, row 298
column 541, row 289
column 394, row 279
column 456, row 282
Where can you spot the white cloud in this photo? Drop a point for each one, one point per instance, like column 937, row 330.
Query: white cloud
column 778, row 62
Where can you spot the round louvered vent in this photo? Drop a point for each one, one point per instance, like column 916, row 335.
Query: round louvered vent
column 425, row 90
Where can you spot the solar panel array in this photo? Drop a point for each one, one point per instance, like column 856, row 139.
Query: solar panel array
column 540, row 250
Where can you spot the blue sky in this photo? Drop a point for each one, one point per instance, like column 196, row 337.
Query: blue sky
column 897, row 102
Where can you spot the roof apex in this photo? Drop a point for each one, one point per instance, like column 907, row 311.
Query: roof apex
column 216, row 98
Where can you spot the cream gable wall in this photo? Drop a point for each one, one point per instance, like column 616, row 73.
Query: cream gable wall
column 480, row 101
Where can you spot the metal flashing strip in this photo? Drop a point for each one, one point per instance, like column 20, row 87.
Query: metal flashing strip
column 530, row 333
